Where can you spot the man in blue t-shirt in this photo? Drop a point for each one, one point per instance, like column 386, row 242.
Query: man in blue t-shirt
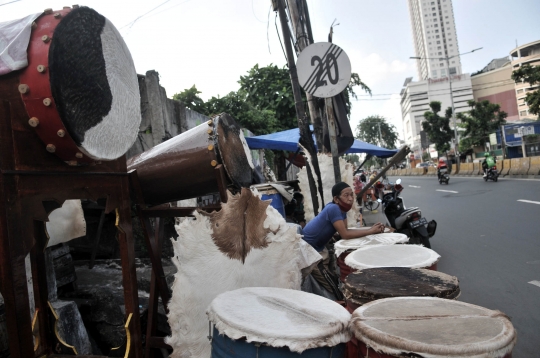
column 332, row 219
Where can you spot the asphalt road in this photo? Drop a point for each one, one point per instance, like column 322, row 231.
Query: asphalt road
column 491, row 241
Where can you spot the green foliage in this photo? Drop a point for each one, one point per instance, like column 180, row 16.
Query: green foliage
column 531, row 75
column 483, row 119
column 426, row 157
column 368, row 131
column 190, row 98
column 352, row 158
column 437, row 128
column 349, row 90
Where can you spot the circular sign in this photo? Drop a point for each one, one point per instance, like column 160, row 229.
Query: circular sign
column 324, row 69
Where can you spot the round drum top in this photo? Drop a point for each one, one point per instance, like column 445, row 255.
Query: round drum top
column 413, row 256
column 433, row 328
column 386, row 239
column 377, row 283
column 93, row 83
column 280, row 318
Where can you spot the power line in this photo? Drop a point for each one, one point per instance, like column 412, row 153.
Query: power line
column 253, row 11
column 11, row 2
column 146, row 13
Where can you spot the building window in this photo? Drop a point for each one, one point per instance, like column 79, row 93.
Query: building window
column 440, row 53
column 438, row 42
column 447, row 22
column 434, row 73
column 436, row 31
column 432, row 9
column 441, row 64
column 438, row 48
column 436, row 25
column 437, row 36
column 434, row 14
column 443, row 72
column 450, row 45
column 520, row 90
column 453, row 61
column 452, row 70
column 523, row 113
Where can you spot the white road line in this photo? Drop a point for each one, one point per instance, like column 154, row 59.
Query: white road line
column 529, row 201
column 448, row 191
column 414, row 186
column 536, row 283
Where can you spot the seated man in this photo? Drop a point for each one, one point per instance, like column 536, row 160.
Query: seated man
column 487, row 163
column 333, row 218
column 442, row 165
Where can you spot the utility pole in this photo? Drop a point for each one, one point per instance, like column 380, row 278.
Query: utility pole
column 305, row 134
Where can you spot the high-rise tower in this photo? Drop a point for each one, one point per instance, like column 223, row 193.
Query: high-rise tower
column 435, row 38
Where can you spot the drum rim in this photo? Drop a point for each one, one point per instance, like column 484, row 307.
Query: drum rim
column 339, row 330
column 341, row 248
column 497, row 346
column 434, row 257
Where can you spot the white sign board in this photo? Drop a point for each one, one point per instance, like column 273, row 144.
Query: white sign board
column 524, row 131
column 324, row 69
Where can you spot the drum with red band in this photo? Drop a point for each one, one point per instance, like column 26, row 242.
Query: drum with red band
column 80, row 87
column 430, row 327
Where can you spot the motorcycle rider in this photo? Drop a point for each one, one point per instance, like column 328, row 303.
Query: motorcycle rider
column 442, row 165
column 488, row 163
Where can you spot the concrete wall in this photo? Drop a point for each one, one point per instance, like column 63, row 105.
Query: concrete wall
column 162, row 117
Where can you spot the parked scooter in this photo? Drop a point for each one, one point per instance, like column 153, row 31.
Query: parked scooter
column 444, row 177
column 408, row 221
column 492, row 174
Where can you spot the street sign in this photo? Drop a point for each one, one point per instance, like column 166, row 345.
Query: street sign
column 324, row 69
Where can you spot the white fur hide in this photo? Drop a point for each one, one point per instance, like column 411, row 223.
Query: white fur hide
column 326, row 165
column 66, row 223
column 204, row 272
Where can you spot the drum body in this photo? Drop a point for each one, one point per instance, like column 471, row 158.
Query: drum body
column 367, row 285
column 431, row 327
column 183, row 167
column 80, row 87
column 225, row 347
column 276, row 322
column 277, row 200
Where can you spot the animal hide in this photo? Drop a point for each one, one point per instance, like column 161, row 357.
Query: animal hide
column 326, row 165
column 66, row 223
column 209, row 262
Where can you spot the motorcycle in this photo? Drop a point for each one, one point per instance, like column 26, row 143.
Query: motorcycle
column 444, row 177
column 408, row 221
column 491, row 174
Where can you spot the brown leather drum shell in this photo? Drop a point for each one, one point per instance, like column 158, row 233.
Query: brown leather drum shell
column 367, row 285
column 185, row 166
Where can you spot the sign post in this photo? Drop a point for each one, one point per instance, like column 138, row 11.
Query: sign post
column 324, row 70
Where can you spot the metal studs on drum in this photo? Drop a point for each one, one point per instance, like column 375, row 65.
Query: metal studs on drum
column 209, row 131
column 23, row 88
column 51, row 148
column 41, row 68
column 61, row 133
column 213, row 163
column 210, row 123
column 75, row 6
column 34, row 25
column 67, row 7
column 72, row 163
column 45, row 38
column 57, row 15
column 210, row 147
column 47, row 102
column 33, row 122
column 48, row 11
column 78, row 155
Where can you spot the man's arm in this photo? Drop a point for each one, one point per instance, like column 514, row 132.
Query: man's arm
column 346, row 233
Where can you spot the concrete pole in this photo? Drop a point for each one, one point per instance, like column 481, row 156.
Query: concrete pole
column 456, row 139
column 333, row 140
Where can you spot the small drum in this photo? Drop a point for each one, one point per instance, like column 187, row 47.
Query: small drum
column 345, row 247
column 80, row 88
column 413, row 256
column 183, row 167
column 277, row 322
column 431, row 327
column 368, row 285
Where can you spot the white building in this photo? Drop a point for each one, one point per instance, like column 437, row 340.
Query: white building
column 415, row 99
column 435, row 38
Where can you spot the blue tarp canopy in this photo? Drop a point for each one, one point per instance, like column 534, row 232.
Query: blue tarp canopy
column 288, row 140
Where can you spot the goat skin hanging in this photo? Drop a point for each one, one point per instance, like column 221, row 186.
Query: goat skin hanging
column 246, row 244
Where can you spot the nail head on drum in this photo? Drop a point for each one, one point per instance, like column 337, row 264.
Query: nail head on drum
column 33, row 122
column 23, row 88
column 61, row 133
column 47, row 102
column 45, row 38
column 51, row 148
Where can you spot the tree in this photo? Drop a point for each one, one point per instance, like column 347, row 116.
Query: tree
column 531, row 75
column 349, row 90
column 190, row 98
column 437, row 128
column 483, row 119
column 376, row 130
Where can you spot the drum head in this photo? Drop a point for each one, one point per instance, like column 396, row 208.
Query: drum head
column 280, row 317
column 94, row 84
column 379, row 239
column 377, row 283
column 433, row 327
column 413, row 256
column 234, row 151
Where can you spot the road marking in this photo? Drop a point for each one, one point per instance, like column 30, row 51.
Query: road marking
column 536, row 283
column 449, row 191
column 529, row 201
column 414, row 186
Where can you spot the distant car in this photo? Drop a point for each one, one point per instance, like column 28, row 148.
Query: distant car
column 422, row 165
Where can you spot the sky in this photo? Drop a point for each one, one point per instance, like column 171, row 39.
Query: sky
column 211, row 43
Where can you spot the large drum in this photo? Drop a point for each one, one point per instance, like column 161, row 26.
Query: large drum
column 80, row 87
column 275, row 322
column 367, row 285
column 344, row 247
column 413, row 256
column 431, row 327
column 183, row 167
